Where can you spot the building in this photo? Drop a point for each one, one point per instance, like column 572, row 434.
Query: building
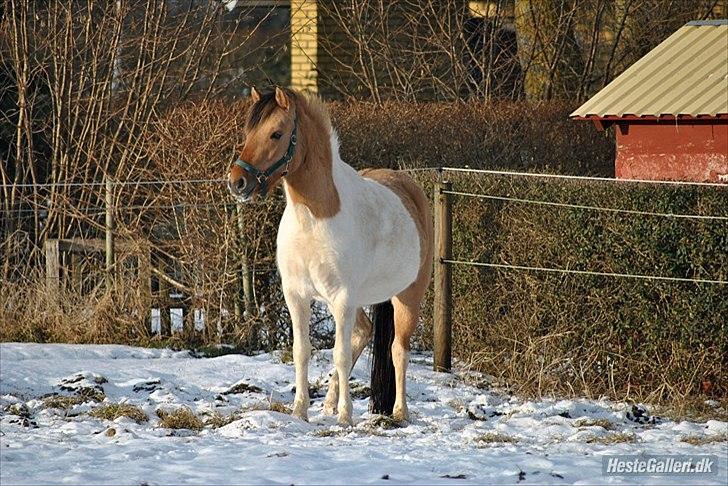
column 325, row 56
column 670, row 108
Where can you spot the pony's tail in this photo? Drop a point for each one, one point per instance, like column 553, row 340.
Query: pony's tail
column 382, row 382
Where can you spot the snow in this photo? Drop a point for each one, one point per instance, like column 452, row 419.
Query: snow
column 544, row 442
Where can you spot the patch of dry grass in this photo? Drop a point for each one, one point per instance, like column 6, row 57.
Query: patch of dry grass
column 217, row 420
column 587, row 422
column 695, row 409
column 360, row 391
column 280, row 407
column 616, row 438
column 181, row 418
column 700, row 440
column 495, row 438
column 65, row 402
column 329, row 433
column 29, row 313
column 115, row 410
column 19, row 409
column 287, row 356
column 384, row 422
column 62, row 402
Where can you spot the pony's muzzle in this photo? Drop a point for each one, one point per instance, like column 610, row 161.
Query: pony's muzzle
column 242, row 188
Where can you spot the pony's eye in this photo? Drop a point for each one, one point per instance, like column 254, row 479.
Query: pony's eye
column 276, row 135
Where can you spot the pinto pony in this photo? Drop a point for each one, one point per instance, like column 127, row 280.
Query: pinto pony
column 348, row 239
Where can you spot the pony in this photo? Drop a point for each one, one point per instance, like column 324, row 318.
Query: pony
column 349, row 239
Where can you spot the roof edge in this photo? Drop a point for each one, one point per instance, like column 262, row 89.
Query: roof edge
column 708, row 22
column 717, row 116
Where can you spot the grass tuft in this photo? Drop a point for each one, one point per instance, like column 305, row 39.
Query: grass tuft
column 181, row 418
column 287, row 356
column 385, row 422
column 586, row 422
column 328, row 433
column 217, row 420
column 359, row 391
column 19, row 409
column 280, row 407
column 616, row 438
column 495, row 438
column 63, row 402
column 701, row 440
column 115, row 410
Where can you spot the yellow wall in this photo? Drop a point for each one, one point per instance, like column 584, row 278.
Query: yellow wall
column 304, row 45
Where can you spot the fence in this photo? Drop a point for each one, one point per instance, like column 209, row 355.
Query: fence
column 164, row 290
column 444, row 260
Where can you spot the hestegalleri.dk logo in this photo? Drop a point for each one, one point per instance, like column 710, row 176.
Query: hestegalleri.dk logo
column 669, row 465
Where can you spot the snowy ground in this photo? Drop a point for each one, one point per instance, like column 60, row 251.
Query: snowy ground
column 461, row 432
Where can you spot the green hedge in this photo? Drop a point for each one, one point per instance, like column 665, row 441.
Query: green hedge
column 593, row 335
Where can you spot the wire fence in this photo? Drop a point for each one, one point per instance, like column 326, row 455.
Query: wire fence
column 584, row 272
column 206, row 255
column 508, row 266
column 445, row 261
column 582, row 178
column 590, row 208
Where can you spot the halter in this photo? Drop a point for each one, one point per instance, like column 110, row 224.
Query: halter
column 261, row 177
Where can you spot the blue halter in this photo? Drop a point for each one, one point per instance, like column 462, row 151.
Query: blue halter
column 261, row 177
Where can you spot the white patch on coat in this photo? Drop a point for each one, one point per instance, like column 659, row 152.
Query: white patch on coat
column 365, row 254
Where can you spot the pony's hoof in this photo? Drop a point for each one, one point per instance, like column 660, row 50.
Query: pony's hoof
column 301, row 416
column 400, row 415
column 300, row 413
column 345, row 420
column 330, row 408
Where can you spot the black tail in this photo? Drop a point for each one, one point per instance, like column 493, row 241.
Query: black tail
column 382, row 383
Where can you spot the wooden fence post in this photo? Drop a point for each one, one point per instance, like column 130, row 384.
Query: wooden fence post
column 246, row 274
column 53, row 267
column 442, row 307
column 245, row 309
column 144, row 270
column 110, row 257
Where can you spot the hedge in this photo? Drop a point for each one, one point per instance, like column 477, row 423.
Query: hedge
column 591, row 335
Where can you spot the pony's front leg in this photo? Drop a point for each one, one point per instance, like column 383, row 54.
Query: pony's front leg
column 344, row 316
column 362, row 334
column 300, row 310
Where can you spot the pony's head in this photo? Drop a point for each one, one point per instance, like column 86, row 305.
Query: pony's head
column 270, row 145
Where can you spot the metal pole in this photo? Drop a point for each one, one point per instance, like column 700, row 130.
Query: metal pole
column 443, row 278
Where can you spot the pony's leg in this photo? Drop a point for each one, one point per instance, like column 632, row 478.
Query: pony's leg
column 344, row 315
column 406, row 313
column 300, row 310
column 360, row 337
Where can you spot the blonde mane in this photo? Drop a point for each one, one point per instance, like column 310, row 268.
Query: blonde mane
column 316, row 108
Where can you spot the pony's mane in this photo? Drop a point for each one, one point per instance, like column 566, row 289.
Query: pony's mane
column 311, row 104
column 316, row 108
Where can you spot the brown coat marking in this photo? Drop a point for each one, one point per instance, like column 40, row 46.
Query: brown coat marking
column 310, row 180
column 407, row 303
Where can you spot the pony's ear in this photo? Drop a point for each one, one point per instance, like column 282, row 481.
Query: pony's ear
column 254, row 94
column 282, row 98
